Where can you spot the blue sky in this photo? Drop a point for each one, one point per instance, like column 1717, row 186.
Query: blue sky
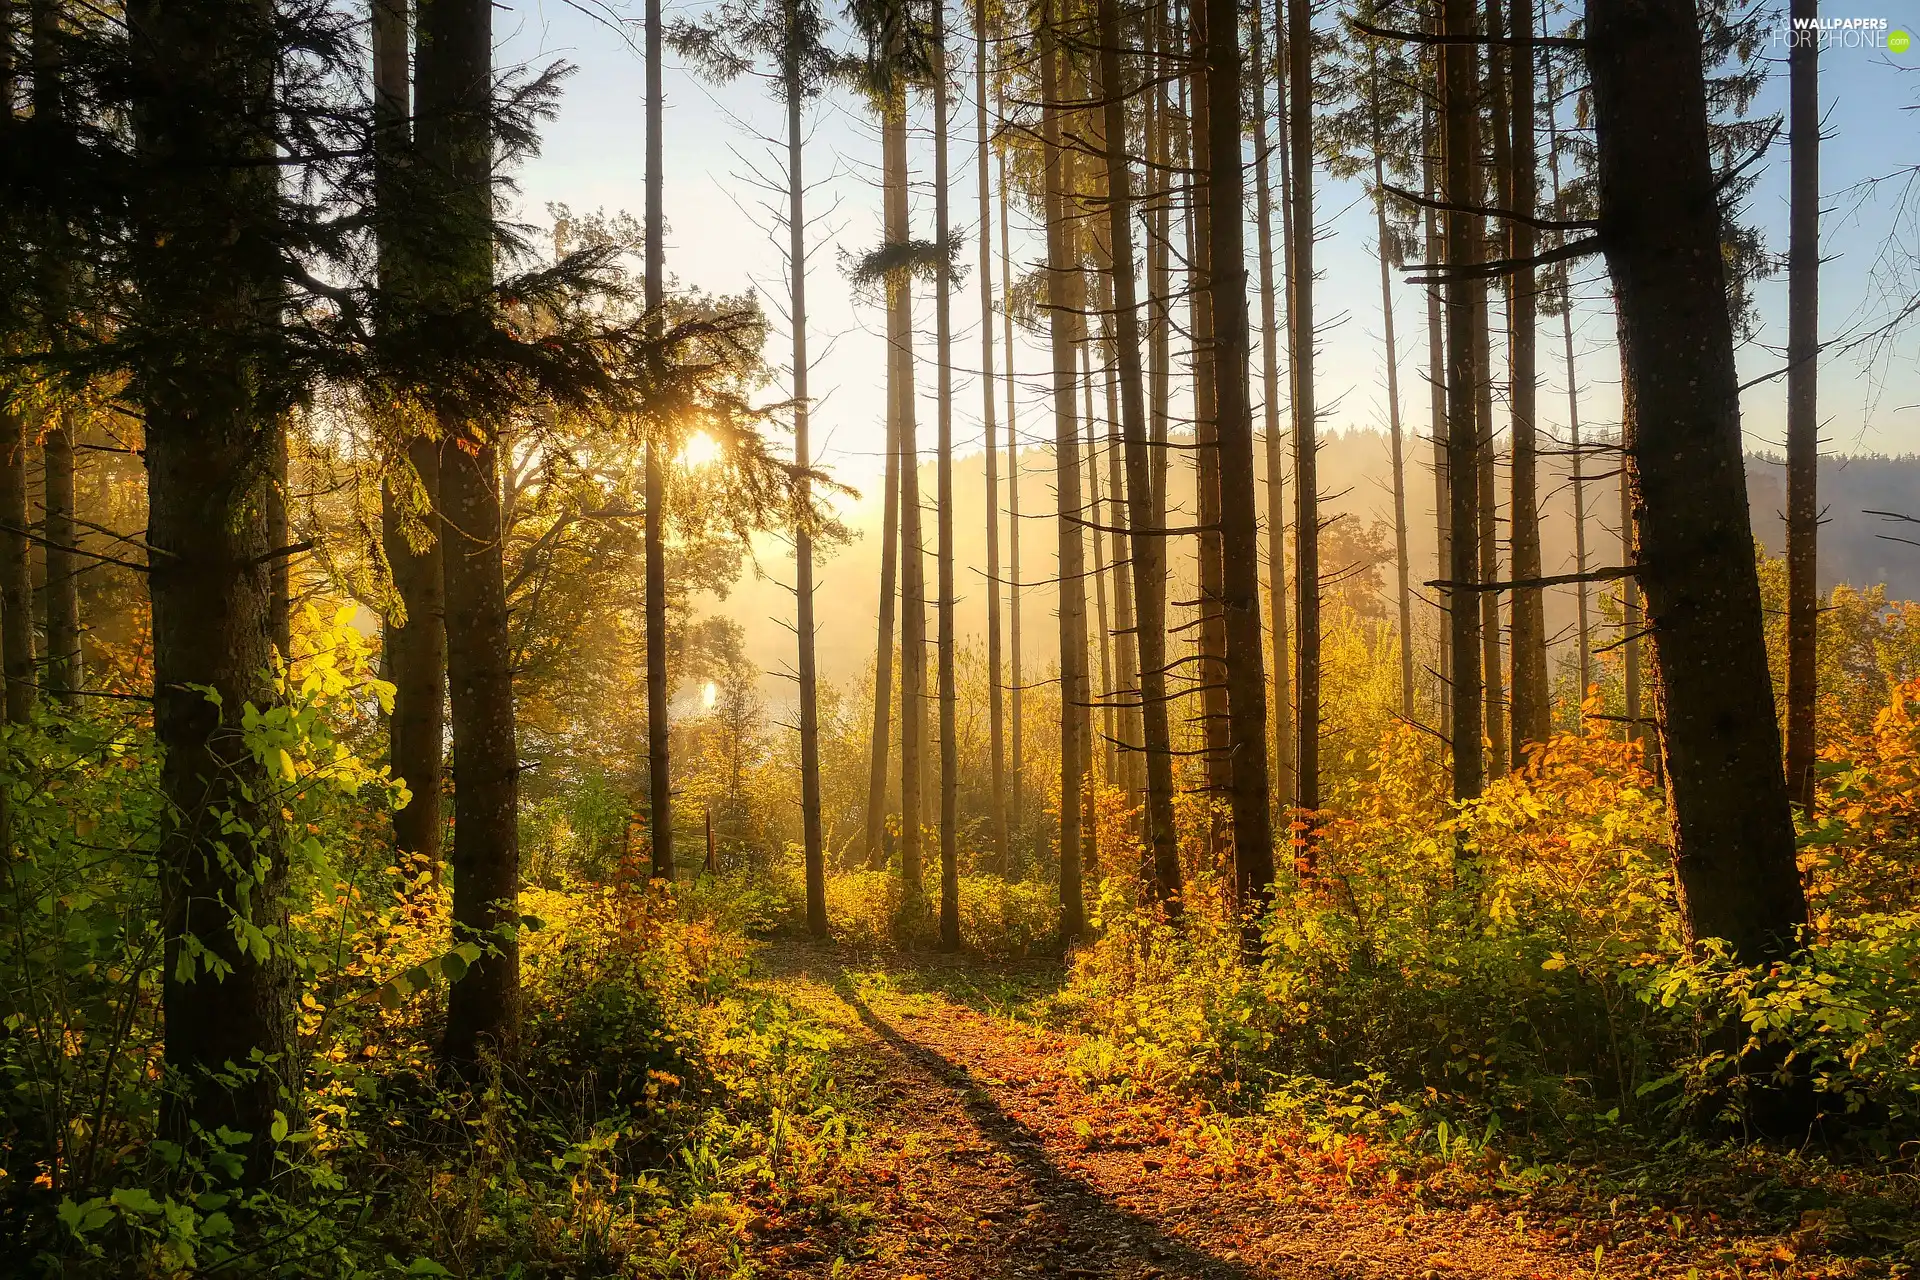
column 723, row 240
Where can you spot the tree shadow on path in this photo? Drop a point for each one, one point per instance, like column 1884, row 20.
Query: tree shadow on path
column 1099, row 1237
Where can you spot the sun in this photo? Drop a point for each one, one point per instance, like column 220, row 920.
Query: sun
column 709, row 695
column 700, row 450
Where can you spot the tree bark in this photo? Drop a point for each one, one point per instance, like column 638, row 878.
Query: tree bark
column 943, row 345
column 16, row 570
column 913, row 572
column 1239, row 517
column 813, row 840
column 1147, row 545
column 1584, row 623
column 996, row 717
column 64, row 666
column 1096, row 515
column 1532, row 712
column 1437, row 427
column 1803, row 402
column 1404, row 590
column 1492, row 663
column 882, row 739
column 1016, row 793
column 1063, row 290
column 1660, row 222
column 454, row 65
column 1465, row 307
column 1306, row 443
column 659, row 689
column 204, row 294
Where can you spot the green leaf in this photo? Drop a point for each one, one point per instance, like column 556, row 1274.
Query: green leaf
column 426, row 1267
column 136, row 1199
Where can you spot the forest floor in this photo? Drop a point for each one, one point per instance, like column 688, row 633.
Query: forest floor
column 986, row 1158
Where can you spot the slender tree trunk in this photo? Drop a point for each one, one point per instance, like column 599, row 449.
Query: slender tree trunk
column 813, row 842
column 1159, row 279
column 279, row 538
column 416, row 646
column 659, row 690
column 1401, row 570
column 16, row 569
column 1465, row 306
column 996, row 723
column 1016, row 796
column 1306, row 444
column 1212, row 667
column 1126, row 659
column 1493, row 92
column 1660, row 221
column 1239, row 515
column 1095, row 516
column 1584, row 616
column 1063, row 295
column 1147, row 545
column 63, row 675
column 1532, row 693
column 1632, row 623
column 882, row 740
column 913, row 562
column 455, row 64
column 1803, row 402
column 1283, row 730
column 205, row 294
column 1437, row 426
column 943, row 341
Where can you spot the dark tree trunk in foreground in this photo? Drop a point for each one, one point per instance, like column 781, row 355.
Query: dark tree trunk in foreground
column 1803, row 423
column 1147, row 548
column 1532, row 712
column 203, row 299
column 417, row 649
column 16, row 569
column 1239, row 519
column 1660, row 222
column 659, row 730
column 1064, row 298
column 455, row 144
column 813, row 841
column 1465, row 302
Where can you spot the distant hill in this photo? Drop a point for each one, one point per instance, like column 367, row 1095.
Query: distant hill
column 1853, row 547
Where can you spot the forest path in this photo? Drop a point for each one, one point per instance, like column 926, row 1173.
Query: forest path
column 989, row 1161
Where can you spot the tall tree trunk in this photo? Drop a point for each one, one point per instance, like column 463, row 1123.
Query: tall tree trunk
column 1283, row 731
column 16, row 569
column 1212, row 667
column 1159, row 216
column 1239, row 515
column 1437, row 423
column 203, row 293
column 1584, row 621
column 1465, row 305
column 943, row 342
column 63, row 677
column 1401, row 570
column 1064, row 304
column 1147, row 544
column 1633, row 626
column 1126, row 659
column 1306, row 443
column 1017, row 793
column 1660, row 222
column 1803, row 401
column 913, row 562
column 455, row 65
column 1492, row 662
column 996, row 720
column 882, row 740
column 659, row 730
column 279, row 540
column 1532, row 693
column 813, row 840
column 416, row 649
column 1095, row 517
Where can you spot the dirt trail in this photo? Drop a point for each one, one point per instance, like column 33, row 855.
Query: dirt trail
column 991, row 1162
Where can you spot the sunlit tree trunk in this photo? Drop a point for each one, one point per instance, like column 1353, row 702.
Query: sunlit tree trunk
column 1239, row 517
column 913, row 570
column 1017, row 793
column 1147, row 546
column 1306, row 445
column 943, row 341
column 1401, row 569
column 1064, row 299
column 1095, row 516
column 813, row 841
column 1465, row 306
column 1583, row 596
column 1283, row 730
column 1437, row 423
column 659, row 735
column 1803, row 401
column 1493, row 93
column 1532, row 694
column 996, row 728
column 1159, row 282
